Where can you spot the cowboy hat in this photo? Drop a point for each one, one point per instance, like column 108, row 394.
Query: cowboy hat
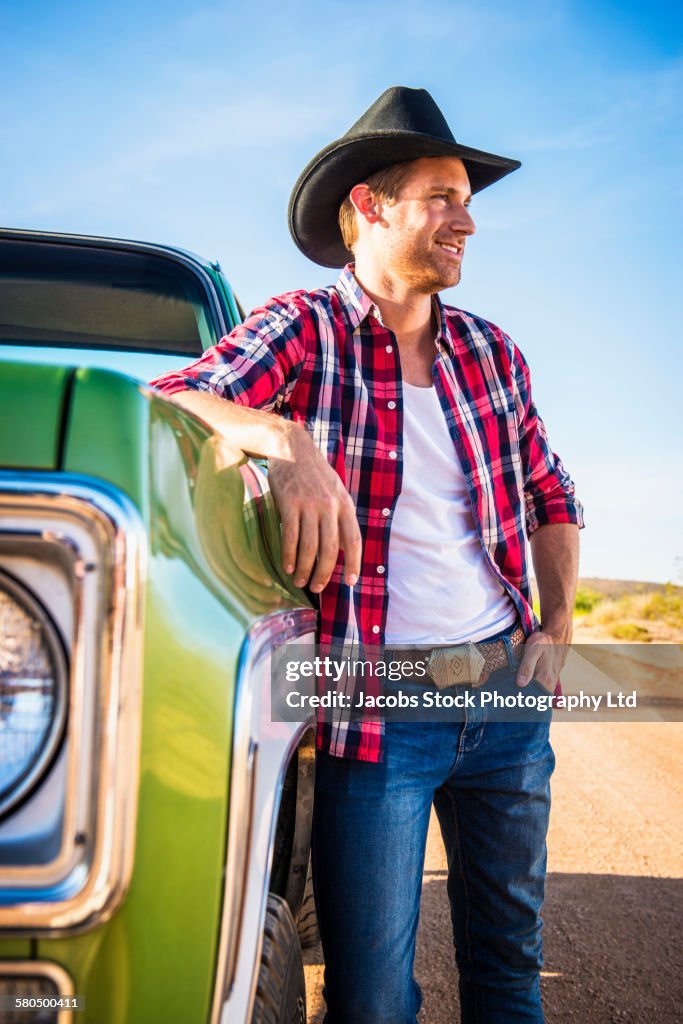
column 403, row 124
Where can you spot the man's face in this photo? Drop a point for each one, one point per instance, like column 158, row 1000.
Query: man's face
column 425, row 228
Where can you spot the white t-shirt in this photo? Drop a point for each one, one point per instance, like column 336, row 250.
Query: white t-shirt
column 441, row 587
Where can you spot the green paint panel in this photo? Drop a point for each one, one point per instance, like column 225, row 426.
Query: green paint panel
column 107, row 432
column 31, row 398
column 155, row 960
column 15, row 949
column 228, row 296
column 213, row 558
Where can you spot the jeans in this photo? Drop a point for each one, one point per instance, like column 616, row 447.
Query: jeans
column 489, row 782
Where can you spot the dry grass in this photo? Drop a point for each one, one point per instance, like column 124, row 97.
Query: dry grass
column 640, row 616
column 626, row 610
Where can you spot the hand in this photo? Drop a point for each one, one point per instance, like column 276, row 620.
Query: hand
column 543, row 657
column 225, row 530
column 318, row 516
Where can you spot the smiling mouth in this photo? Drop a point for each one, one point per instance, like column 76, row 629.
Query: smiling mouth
column 454, row 250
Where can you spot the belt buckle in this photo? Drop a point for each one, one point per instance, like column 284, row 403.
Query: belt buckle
column 453, row 666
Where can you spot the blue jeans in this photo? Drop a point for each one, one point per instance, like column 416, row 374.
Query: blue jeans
column 489, row 782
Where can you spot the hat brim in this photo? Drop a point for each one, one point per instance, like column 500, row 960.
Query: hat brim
column 332, row 173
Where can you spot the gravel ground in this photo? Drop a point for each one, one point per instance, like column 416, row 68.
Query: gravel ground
column 614, row 902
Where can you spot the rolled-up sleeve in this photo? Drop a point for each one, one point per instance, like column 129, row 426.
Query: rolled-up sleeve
column 257, row 364
column 549, row 492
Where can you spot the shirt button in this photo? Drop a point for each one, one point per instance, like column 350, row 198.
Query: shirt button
column 392, row 405
column 380, row 569
column 386, row 511
column 375, row 629
column 390, row 348
column 393, row 455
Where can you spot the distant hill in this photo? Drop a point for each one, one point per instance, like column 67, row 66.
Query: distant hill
column 627, row 611
column 614, row 589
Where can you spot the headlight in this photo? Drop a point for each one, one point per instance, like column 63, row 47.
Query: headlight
column 33, row 692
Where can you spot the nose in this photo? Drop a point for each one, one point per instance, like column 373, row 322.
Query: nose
column 463, row 221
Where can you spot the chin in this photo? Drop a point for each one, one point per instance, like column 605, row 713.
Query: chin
column 442, row 281
column 451, row 276
column 440, row 277
column 428, row 277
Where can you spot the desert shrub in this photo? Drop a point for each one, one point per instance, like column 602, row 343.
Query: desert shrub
column 666, row 606
column 630, row 631
column 627, row 617
column 586, row 600
column 614, row 611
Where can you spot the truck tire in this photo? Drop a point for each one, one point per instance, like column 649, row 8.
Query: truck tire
column 307, row 925
column 281, row 989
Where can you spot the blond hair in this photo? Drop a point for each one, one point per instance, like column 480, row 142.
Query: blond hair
column 385, row 186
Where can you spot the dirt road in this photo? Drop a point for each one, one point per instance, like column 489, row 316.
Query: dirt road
column 614, row 904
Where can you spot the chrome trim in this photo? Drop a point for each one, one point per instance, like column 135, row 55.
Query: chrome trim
column 25, row 598
column 239, row 889
column 300, row 856
column 295, row 741
column 276, row 628
column 43, row 969
column 101, row 538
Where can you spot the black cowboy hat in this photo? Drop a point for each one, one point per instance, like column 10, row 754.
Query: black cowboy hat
column 403, row 124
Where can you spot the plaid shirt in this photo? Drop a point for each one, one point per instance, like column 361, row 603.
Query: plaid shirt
column 326, row 360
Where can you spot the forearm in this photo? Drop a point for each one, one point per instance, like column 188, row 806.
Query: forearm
column 251, row 430
column 318, row 516
column 555, row 556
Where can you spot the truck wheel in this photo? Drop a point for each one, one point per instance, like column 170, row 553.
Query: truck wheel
column 307, row 925
column 281, row 989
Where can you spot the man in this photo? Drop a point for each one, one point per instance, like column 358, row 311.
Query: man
column 423, row 459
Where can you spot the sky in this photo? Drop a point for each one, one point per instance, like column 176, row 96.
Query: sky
column 189, row 124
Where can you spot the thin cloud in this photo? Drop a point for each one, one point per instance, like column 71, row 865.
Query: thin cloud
column 631, row 103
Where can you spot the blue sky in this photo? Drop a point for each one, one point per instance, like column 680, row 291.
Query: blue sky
column 189, row 125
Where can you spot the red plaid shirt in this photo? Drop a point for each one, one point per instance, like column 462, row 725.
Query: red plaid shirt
column 326, row 360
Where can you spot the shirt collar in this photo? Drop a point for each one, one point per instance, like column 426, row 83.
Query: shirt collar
column 355, row 301
column 358, row 304
column 443, row 333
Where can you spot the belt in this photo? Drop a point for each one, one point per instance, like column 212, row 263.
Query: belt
column 467, row 664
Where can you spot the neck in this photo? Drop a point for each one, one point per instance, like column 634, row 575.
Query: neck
column 404, row 311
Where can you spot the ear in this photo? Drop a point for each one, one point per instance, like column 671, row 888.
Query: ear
column 366, row 203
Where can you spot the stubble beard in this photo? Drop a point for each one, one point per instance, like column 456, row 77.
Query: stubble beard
column 423, row 273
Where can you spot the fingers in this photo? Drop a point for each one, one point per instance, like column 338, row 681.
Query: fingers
column 308, row 546
column 352, row 543
column 318, row 518
column 290, row 538
column 527, row 666
column 328, row 550
column 322, row 532
column 541, row 662
column 546, row 681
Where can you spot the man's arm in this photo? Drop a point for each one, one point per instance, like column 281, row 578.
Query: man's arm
column 549, row 492
column 318, row 517
column 555, row 554
column 553, row 519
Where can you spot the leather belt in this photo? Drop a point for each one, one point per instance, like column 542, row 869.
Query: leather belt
column 468, row 664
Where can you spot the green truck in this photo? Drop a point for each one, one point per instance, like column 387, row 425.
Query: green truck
column 154, row 821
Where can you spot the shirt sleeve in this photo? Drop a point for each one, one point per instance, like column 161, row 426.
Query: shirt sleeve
column 549, row 491
column 257, row 364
